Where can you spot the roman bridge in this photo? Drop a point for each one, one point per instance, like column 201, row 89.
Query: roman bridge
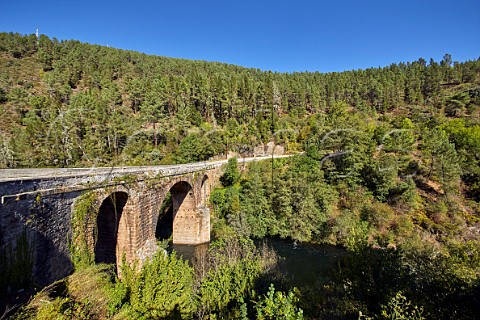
column 86, row 215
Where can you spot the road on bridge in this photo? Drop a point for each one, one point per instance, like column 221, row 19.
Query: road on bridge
column 49, row 173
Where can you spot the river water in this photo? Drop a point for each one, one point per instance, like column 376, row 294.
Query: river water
column 304, row 263
column 301, row 264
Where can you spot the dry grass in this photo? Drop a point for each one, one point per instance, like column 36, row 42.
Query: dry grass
column 90, row 286
column 82, row 295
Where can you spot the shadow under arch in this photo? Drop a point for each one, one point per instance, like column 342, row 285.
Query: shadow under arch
column 204, row 191
column 176, row 217
column 108, row 220
column 164, row 227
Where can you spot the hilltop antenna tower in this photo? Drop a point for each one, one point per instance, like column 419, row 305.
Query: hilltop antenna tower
column 36, row 33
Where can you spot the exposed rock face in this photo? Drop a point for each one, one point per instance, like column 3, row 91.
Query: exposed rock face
column 269, row 148
column 276, row 150
column 259, row 151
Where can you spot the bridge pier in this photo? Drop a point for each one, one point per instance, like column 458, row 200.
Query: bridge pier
column 190, row 216
column 192, row 227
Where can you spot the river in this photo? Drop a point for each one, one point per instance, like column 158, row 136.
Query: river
column 300, row 263
column 304, row 263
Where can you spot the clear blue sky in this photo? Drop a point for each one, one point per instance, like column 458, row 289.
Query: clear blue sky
column 284, row 36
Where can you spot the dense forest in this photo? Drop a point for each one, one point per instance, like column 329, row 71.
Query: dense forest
column 66, row 103
column 390, row 171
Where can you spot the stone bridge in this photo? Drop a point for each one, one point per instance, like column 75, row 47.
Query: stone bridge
column 101, row 214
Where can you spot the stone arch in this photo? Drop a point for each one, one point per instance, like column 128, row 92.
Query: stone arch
column 190, row 224
column 107, row 226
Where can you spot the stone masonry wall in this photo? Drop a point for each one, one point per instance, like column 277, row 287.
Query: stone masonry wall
column 46, row 221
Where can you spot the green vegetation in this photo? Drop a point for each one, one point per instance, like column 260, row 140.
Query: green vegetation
column 277, row 305
column 413, row 242
column 90, row 292
column 390, row 171
column 82, row 216
column 231, row 173
column 166, row 287
column 162, row 289
column 66, row 103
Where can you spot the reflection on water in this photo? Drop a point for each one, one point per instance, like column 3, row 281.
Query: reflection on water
column 300, row 263
column 304, row 263
column 191, row 252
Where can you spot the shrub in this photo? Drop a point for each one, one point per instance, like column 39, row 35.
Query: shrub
column 163, row 288
column 231, row 174
column 278, row 305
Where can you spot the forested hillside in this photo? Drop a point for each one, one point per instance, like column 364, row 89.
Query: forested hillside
column 390, row 170
column 74, row 104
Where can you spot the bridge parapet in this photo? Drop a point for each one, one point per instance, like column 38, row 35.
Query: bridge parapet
column 18, row 184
